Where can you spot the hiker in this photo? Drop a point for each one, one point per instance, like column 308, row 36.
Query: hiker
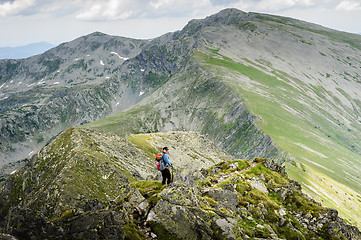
column 165, row 172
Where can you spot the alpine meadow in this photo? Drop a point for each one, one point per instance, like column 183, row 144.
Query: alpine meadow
column 261, row 113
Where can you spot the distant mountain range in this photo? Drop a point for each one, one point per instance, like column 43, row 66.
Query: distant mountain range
column 24, row 51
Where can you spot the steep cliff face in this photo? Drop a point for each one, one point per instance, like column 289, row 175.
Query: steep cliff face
column 91, row 184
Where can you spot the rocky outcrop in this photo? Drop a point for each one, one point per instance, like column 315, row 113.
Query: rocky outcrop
column 220, row 202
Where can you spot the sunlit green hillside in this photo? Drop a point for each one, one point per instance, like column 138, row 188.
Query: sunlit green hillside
column 326, row 168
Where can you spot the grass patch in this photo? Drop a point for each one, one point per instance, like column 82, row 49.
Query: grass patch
column 123, row 123
column 351, row 39
column 243, row 164
column 132, row 232
column 149, row 189
column 298, row 202
column 242, row 187
column 142, row 141
column 210, row 201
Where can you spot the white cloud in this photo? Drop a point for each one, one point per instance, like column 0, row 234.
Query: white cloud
column 10, row 8
column 176, row 5
column 96, row 10
column 160, row 3
column 177, row 8
column 110, row 10
column 100, row 10
column 348, row 5
column 275, row 5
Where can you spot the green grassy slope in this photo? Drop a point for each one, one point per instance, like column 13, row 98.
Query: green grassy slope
column 88, row 164
column 326, row 168
column 72, row 166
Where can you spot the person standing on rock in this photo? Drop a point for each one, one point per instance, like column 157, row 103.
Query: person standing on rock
column 165, row 172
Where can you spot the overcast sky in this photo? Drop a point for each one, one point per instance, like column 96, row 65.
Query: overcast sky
column 28, row 21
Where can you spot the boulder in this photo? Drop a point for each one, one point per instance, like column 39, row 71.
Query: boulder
column 258, row 184
column 25, row 223
column 225, row 198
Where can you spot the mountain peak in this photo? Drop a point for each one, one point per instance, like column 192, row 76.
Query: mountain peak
column 228, row 12
column 97, row 34
column 227, row 16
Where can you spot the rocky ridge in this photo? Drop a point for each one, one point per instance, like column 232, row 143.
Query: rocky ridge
column 84, row 163
column 232, row 199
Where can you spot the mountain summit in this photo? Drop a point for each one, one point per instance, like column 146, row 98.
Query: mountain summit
column 256, row 85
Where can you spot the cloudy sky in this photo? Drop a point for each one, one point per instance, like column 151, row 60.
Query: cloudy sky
column 28, row 21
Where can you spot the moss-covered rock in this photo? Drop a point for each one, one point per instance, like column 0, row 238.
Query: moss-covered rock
column 237, row 209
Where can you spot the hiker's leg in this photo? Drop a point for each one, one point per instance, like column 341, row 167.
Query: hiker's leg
column 168, row 176
column 164, row 175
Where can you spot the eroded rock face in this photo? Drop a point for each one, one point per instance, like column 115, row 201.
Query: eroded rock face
column 25, row 223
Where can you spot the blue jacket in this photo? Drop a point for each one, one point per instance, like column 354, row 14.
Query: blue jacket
column 166, row 160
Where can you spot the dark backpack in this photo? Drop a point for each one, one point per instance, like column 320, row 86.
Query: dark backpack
column 159, row 162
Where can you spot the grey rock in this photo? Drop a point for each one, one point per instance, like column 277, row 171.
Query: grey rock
column 282, row 212
column 136, row 198
column 225, row 198
column 25, row 223
column 284, row 192
column 227, row 227
column 7, row 237
column 180, row 195
column 181, row 220
column 257, row 184
column 228, row 187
